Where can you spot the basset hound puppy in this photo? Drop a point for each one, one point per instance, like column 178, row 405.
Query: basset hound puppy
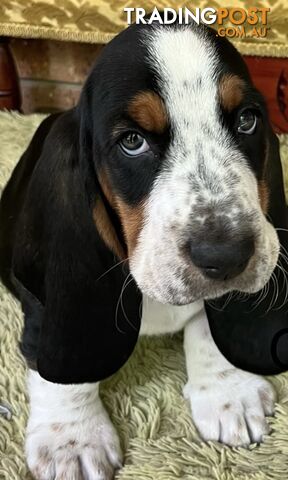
column 123, row 216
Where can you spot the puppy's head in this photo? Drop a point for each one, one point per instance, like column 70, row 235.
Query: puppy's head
column 181, row 138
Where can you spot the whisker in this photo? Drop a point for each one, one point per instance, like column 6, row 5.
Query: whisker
column 261, row 295
column 140, row 309
column 113, row 266
column 242, row 296
column 284, row 255
column 126, row 282
column 230, row 295
column 212, row 305
column 118, row 303
column 275, row 292
column 284, row 286
column 122, row 306
column 285, row 251
column 221, row 309
column 281, row 269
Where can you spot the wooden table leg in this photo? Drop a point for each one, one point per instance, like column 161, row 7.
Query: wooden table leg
column 10, row 96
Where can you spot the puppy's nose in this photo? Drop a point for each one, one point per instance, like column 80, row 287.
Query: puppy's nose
column 222, row 261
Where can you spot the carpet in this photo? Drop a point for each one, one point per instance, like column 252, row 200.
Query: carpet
column 144, row 399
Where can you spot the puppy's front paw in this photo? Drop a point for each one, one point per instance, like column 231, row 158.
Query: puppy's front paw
column 84, row 450
column 231, row 407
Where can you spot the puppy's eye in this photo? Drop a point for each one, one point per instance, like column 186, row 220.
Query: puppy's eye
column 134, row 144
column 247, row 122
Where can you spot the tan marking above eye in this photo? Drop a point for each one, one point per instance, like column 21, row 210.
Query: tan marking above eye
column 148, row 110
column 231, row 91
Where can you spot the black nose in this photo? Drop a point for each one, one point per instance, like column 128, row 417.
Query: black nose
column 222, row 261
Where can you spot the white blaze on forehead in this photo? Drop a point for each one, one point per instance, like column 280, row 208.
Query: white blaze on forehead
column 187, row 66
column 172, row 45
column 184, row 57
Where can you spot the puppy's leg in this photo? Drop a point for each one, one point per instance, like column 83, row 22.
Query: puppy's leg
column 69, row 433
column 228, row 404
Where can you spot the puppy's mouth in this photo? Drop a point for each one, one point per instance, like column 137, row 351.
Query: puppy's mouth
column 183, row 281
column 197, row 287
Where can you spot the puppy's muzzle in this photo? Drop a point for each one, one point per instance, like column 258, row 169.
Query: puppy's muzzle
column 222, row 260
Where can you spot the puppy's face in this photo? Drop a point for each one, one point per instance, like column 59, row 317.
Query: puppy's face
column 182, row 146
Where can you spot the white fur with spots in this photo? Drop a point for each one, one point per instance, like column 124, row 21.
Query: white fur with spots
column 227, row 404
column 204, row 172
column 69, row 434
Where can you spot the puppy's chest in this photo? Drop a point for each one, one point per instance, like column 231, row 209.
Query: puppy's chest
column 158, row 319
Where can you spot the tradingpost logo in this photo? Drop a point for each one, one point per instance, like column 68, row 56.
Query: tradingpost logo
column 229, row 22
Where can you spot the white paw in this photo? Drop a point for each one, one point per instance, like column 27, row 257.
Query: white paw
column 231, row 406
column 84, row 450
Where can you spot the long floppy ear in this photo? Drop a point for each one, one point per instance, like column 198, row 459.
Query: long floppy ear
column 255, row 337
column 81, row 305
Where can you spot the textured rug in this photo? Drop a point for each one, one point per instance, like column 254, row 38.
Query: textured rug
column 144, row 398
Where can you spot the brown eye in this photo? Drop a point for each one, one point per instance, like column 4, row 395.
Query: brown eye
column 247, row 122
column 134, row 144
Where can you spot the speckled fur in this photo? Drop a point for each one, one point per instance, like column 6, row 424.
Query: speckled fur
column 205, row 178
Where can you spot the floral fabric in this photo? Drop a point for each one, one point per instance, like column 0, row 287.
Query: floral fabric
column 97, row 21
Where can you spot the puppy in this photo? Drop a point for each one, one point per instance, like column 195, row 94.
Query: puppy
column 149, row 197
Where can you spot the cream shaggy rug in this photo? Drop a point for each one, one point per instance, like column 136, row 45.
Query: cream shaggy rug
column 144, row 398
